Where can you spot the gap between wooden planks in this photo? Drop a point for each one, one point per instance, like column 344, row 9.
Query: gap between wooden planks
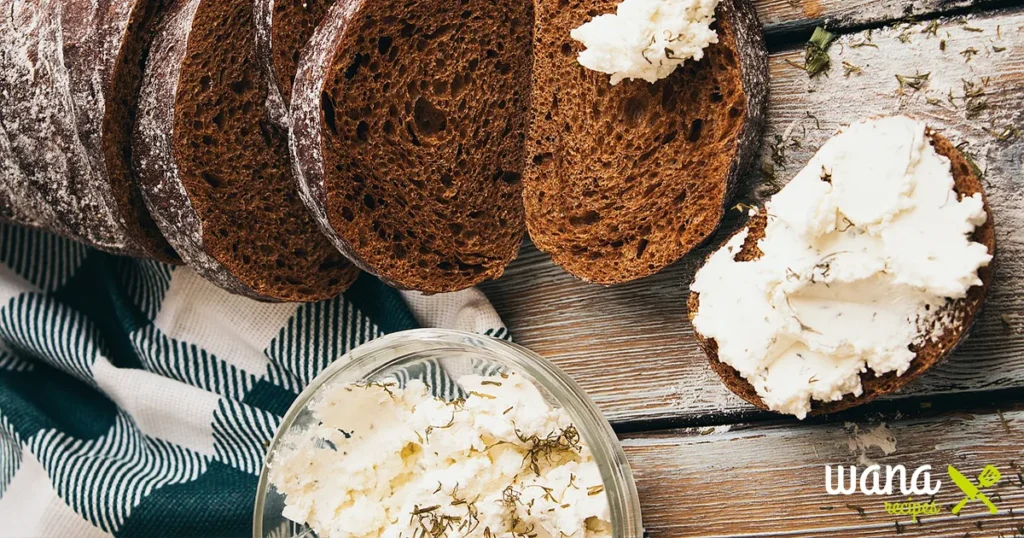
column 631, row 347
column 787, row 18
column 770, row 481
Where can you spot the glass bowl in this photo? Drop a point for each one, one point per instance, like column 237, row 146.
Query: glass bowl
column 416, row 354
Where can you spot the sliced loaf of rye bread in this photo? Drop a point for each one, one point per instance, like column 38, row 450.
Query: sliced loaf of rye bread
column 48, row 178
column 408, row 127
column 283, row 27
column 624, row 180
column 105, row 48
column 215, row 172
column 929, row 354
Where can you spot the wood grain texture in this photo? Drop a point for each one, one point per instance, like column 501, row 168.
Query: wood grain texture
column 631, row 347
column 770, row 481
column 794, row 16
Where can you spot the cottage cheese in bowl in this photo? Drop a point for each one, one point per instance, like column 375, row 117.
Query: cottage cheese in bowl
column 387, row 461
column 445, row 434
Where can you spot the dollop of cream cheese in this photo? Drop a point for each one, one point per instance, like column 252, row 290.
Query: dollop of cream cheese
column 391, row 462
column 862, row 251
column 647, row 39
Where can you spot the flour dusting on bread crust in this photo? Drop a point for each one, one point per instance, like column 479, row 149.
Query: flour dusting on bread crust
column 283, row 28
column 48, row 128
column 215, row 172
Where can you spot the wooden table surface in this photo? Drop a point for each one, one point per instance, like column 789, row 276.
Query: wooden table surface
column 708, row 464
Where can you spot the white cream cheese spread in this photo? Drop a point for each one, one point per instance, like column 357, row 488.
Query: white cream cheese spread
column 391, row 462
column 862, row 251
column 647, row 39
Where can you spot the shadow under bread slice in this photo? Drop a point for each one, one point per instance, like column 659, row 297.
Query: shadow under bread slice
column 408, row 124
column 624, row 180
column 214, row 170
column 929, row 352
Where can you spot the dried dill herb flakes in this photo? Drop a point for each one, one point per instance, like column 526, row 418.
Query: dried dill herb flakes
column 913, row 82
column 816, row 58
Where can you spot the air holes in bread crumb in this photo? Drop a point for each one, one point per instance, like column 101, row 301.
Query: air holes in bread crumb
column 458, row 85
column 635, row 109
column 399, row 250
column 353, row 68
column 241, row 86
column 696, row 126
column 511, row 177
column 212, row 179
column 543, row 158
column 641, row 246
column 327, row 107
column 588, row 218
column 429, row 119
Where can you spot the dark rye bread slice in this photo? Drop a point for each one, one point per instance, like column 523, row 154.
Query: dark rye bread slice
column 215, row 172
column 408, row 128
column 967, row 183
column 105, row 47
column 48, row 180
column 624, row 180
column 283, row 27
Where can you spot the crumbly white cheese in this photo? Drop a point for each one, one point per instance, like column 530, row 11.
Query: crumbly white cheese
column 862, row 251
column 647, row 39
column 391, row 462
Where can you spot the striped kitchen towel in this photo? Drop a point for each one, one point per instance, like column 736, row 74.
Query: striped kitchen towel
column 137, row 399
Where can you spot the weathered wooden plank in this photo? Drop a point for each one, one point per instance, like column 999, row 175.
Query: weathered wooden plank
column 631, row 345
column 800, row 16
column 770, row 481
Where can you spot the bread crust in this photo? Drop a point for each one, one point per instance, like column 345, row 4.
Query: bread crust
column 305, row 136
column 312, row 158
column 753, row 57
column 966, row 183
column 275, row 21
column 263, row 15
column 163, row 182
column 153, row 156
column 98, row 39
column 622, row 193
column 53, row 105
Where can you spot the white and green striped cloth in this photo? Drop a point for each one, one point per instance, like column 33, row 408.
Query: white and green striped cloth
column 137, row 399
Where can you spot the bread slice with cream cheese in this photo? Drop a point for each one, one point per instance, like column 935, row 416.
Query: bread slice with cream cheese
column 929, row 351
column 624, row 180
